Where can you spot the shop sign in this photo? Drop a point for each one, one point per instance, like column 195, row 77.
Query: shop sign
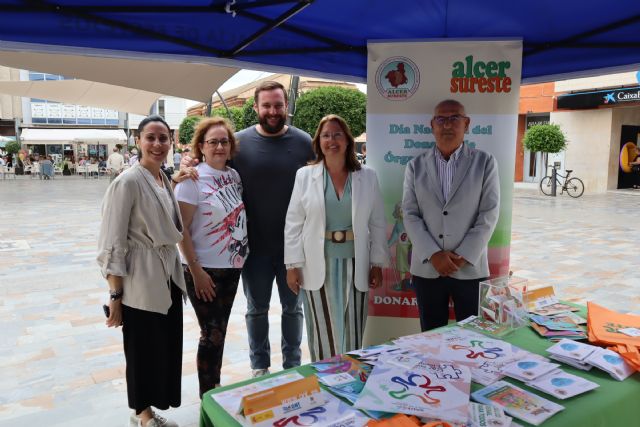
column 598, row 98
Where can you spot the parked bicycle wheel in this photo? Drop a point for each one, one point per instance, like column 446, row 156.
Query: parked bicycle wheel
column 545, row 185
column 575, row 187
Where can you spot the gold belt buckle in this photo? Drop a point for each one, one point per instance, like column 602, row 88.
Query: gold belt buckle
column 338, row 236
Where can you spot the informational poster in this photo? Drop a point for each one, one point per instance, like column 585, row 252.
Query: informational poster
column 84, row 112
column 54, row 110
column 69, row 111
column 97, row 113
column 405, row 81
column 38, row 110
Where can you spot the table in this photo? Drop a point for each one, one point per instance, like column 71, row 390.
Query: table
column 614, row 403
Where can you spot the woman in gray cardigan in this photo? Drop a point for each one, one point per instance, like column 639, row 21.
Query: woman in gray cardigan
column 141, row 226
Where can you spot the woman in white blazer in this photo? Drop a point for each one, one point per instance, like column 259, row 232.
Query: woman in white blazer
column 335, row 240
column 141, row 226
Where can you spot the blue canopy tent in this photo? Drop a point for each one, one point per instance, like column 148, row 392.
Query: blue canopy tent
column 326, row 38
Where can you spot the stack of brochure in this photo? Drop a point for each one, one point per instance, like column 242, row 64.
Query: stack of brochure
column 517, row 402
column 529, row 368
column 584, row 356
column 343, row 375
column 610, row 362
column 557, row 327
column 572, row 353
column 332, row 413
column 562, row 385
column 484, row 355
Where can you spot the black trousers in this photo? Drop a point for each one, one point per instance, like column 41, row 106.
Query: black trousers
column 213, row 318
column 433, row 299
column 153, row 351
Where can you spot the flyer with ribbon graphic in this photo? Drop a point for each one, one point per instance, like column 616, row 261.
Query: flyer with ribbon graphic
column 429, row 389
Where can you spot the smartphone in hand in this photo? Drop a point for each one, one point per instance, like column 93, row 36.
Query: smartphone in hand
column 106, row 310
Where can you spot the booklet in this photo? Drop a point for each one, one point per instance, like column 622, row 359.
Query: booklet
column 486, row 416
column 486, row 327
column 552, row 309
column 517, row 402
column 611, row 362
column 558, row 335
column 529, row 368
column 430, row 389
column 562, row 385
column 230, row 400
column 555, row 323
column 578, row 320
column 264, row 408
column 571, row 349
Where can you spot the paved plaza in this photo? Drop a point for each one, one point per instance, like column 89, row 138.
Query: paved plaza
column 61, row 366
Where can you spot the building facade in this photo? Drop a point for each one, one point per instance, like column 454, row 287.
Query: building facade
column 597, row 114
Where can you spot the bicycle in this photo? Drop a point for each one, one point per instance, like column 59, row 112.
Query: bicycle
column 573, row 186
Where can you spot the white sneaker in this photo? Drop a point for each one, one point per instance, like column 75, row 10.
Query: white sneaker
column 260, row 373
column 158, row 421
column 134, row 420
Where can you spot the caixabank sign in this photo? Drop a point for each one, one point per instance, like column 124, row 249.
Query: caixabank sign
column 595, row 99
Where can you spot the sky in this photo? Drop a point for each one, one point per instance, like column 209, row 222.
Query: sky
column 247, row 76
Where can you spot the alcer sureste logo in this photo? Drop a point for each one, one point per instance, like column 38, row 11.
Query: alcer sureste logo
column 397, row 78
column 473, row 75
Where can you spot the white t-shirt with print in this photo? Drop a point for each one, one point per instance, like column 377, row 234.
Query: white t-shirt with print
column 219, row 225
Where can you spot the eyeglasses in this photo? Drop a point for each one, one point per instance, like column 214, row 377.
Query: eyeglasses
column 336, row 135
column 453, row 120
column 151, row 137
column 215, row 142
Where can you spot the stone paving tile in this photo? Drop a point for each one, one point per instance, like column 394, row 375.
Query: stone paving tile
column 60, row 366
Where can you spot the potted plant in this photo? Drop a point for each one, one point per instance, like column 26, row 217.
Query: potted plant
column 545, row 139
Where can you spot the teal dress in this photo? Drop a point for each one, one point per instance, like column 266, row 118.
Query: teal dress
column 336, row 313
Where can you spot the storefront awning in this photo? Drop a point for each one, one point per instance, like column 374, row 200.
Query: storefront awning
column 59, row 136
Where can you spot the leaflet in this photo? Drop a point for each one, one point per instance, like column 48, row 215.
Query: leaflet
column 529, row 369
column 562, row 385
column 611, row 362
column 517, row 402
column 571, row 349
column 432, row 390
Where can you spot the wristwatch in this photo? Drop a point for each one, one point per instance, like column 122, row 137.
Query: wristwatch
column 116, row 295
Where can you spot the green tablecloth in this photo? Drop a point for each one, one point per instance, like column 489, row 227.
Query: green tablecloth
column 614, row 403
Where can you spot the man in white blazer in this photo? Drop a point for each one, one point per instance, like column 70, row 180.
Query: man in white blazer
column 451, row 203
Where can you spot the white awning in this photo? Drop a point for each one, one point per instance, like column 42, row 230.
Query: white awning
column 83, row 92
column 58, row 136
column 182, row 79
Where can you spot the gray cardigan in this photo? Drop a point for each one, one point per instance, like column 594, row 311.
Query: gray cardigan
column 138, row 239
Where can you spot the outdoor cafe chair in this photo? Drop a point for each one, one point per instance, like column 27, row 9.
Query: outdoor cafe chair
column 93, row 169
column 5, row 170
column 35, row 170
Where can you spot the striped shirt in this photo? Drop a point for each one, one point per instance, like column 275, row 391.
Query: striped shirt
column 447, row 169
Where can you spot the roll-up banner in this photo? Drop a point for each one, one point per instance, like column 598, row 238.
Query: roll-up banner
column 405, row 81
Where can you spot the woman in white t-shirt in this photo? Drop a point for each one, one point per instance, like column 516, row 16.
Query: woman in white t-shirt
column 214, row 245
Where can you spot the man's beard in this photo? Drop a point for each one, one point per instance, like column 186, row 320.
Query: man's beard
column 264, row 123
